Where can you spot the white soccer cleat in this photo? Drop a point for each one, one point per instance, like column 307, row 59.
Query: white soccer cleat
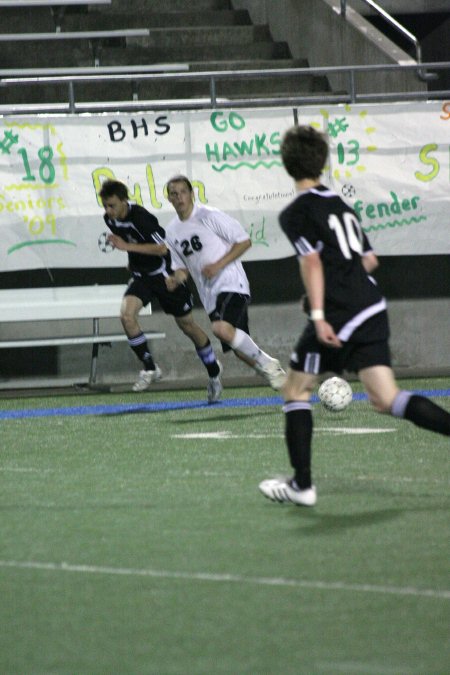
column 273, row 373
column 215, row 386
column 282, row 490
column 146, row 378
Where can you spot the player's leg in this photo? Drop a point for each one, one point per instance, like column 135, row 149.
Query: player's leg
column 179, row 304
column 299, row 489
column 201, row 342
column 230, row 326
column 132, row 302
column 380, row 385
column 205, row 353
column 386, row 397
column 297, row 410
column 308, row 360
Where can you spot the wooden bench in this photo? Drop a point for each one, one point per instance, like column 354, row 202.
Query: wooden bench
column 66, row 304
column 95, row 37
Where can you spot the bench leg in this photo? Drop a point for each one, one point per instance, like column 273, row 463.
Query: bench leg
column 94, row 357
column 93, row 373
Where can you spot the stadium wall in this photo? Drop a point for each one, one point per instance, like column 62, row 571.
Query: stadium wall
column 416, row 283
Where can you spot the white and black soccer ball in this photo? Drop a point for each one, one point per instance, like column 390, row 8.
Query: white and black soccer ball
column 104, row 245
column 335, row 394
column 348, row 190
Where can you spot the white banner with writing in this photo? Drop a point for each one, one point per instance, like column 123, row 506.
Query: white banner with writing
column 390, row 162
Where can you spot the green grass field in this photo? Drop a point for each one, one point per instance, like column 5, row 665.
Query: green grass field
column 134, row 540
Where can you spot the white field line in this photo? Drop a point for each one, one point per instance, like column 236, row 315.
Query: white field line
column 226, row 435
column 360, row 668
column 229, row 578
column 24, row 469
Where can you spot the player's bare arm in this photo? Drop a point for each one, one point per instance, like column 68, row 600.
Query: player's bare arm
column 311, row 271
column 370, row 262
column 176, row 279
column 144, row 249
column 236, row 251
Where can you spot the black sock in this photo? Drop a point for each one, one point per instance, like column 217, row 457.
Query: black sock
column 140, row 347
column 208, row 358
column 426, row 414
column 298, row 434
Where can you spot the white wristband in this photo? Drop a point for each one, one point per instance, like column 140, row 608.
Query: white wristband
column 317, row 315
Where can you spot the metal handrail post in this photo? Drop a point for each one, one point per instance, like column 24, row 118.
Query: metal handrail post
column 71, row 97
column 352, row 85
column 212, row 92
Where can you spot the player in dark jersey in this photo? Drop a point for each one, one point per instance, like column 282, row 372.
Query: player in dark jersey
column 348, row 326
column 136, row 231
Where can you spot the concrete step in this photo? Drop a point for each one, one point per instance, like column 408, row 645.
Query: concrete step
column 167, row 20
column 162, row 46
column 140, row 6
column 248, row 64
column 117, row 52
column 57, row 54
column 266, row 50
column 40, row 19
column 33, row 19
column 224, row 36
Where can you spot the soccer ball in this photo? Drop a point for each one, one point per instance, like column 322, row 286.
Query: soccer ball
column 348, row 190
column 335, row 394
column 104, row 245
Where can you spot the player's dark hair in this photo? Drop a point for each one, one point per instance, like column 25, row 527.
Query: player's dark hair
column 304, row 152
column 180, row 179
column 113, row 187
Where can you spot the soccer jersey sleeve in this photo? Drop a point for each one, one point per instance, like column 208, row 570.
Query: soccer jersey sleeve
column 177, row 261
column 108, row 222
column 367, row 247
column 226, row 227
column 148, row 226
column 299, row 229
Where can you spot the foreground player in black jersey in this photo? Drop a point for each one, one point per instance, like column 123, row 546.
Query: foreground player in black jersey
column 348, row 325
column 137, row 232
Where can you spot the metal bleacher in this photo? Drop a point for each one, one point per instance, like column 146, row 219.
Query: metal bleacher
column 125, row 66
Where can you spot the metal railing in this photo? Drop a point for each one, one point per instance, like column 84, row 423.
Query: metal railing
column 136, row 75
column 422, row 73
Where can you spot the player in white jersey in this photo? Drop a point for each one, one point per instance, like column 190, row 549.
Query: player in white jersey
column 207, row 244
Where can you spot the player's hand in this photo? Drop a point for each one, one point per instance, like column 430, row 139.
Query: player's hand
column 210, row 271
column 117, row 242
column 171, row 283
column 326, row 335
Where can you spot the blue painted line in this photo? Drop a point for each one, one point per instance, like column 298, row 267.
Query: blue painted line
column 131, row 408
column 136, row 408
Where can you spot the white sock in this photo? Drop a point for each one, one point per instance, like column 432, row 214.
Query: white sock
column 242, row 342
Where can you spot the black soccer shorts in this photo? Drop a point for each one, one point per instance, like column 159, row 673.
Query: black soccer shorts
column 232, row 308
column 176, row 303
column 311, row 356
